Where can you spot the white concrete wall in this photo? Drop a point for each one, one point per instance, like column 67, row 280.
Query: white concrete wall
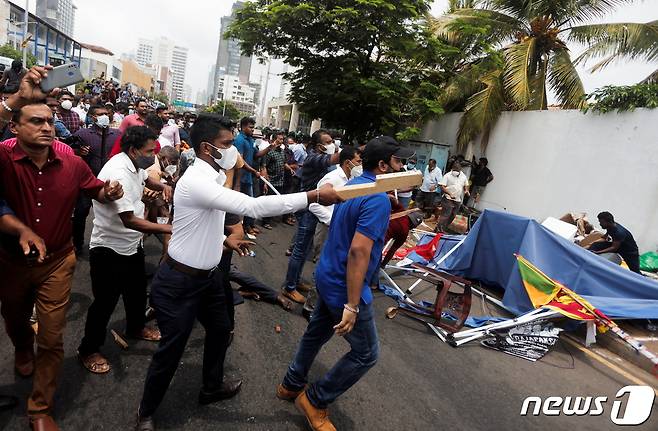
column 548, row 163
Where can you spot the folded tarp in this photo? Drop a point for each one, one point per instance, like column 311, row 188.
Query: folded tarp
column 487, row 255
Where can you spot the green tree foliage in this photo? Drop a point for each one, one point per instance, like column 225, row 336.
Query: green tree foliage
column 366, row 66
column 231, row 111
column 509, row 52
column 9, row 51
column 161, row 97
column 626, row 98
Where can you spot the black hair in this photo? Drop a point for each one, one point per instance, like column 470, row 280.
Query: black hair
column 246, row 121
column 17, row 114
column 456, row 164
column 484, row 160
column 315, row 137
column 16, row 65
column 93, row 108
column 348, row 153
column 606, row 216
column 431, row 160
column 154, row 122
column 160, row 109
column 138, row 101
column 136, row 137
column 207, row 127
column 65, row 93
column 277, row 133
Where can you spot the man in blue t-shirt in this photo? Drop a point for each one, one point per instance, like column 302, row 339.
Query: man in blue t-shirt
column 621, row 242
column 350, row 258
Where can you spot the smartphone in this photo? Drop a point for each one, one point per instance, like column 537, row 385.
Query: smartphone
column 61, row 76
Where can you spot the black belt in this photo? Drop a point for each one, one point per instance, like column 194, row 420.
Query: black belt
column 194, row 272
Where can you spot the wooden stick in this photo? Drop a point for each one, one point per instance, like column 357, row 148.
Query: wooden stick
column 119, row 339
column 403, row 213
column 384, row 183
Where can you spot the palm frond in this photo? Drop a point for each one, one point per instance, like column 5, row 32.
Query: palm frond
column 482, row 111
column 616, row 41
column 564, row 80
column 520, row 61
column 588, row 10
column 538, row 98
column 651, row 79
column 454, row 26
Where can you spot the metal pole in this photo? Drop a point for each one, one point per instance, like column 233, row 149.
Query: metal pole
column 27, row 5
column 264, row 99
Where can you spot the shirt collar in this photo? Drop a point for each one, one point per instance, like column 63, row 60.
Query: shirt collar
column 127, row 161
column 205, row 168
column 19, row 154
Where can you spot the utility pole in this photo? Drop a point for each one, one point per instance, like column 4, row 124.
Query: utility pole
column 264, row 100
column 27, row 5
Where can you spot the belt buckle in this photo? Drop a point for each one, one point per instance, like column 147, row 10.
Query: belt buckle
column 212, row 272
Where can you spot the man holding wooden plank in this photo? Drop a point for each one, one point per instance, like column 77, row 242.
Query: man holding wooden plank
column 350, row 258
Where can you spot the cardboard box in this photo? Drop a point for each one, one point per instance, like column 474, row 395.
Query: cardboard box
column 591, row 238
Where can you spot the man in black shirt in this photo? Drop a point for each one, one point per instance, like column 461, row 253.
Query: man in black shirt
column 480, row 177
column 621, row 242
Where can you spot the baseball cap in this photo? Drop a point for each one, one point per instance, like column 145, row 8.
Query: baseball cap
column 385, row 147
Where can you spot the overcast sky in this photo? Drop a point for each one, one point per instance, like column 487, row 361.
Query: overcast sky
column 117, row 25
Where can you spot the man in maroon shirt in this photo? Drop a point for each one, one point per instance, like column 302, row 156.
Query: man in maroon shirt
column 41, row 185
column 136, row 119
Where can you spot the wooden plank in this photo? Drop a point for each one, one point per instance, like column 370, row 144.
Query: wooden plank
column 403, row 213
column 384, row 183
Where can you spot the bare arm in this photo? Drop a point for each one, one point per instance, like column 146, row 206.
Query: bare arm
column 11, row 225
column 131, row 221
column 264, row 151
column 614, row 247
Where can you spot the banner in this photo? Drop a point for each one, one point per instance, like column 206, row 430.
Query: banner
column 530, row 341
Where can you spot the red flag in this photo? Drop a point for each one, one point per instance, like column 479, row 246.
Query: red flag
column 427, row 251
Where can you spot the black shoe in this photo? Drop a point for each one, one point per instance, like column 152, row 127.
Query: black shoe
column 228, row 390
column 7, row 402
column 145, row 424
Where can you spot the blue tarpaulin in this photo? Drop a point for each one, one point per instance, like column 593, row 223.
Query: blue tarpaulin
column 487, row 255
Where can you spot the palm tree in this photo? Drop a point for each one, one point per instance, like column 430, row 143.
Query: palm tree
column 613, row 42
column 515, row 50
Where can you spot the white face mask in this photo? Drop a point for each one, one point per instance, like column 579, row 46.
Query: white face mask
column 66, row 105
column 456, row 173
column 171, row 169
column 171, row 122
column 229, row 157
column 102, row 121
column 330, row 149
column 356, row 171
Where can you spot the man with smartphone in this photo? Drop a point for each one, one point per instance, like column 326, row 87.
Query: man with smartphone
column 41, row 185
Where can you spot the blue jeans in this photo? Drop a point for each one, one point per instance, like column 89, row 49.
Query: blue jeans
column 248, row 190
column 349, row 369
column 404, row 201
column 306, row 223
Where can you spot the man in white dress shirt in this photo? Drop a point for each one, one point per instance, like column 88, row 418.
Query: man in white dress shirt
column 427, row 193
column 184, row 288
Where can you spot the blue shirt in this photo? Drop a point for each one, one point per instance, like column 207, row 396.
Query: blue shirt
column 367, row 215
column 245, row 146
column 4, row 208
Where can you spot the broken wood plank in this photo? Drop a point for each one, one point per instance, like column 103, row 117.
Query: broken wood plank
column 384, row 183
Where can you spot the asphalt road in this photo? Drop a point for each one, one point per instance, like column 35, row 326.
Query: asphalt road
column 419, row 382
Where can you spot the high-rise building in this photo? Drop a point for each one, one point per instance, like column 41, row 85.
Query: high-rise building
column 230, row 60
column 166, row 53
column 240, row 94
column 58, row 13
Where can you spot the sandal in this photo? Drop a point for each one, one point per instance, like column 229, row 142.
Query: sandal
column 289, row 222
column 283, row 302
column 147, row 334
column 267, row 226
column 256, row 230
column 95, row 363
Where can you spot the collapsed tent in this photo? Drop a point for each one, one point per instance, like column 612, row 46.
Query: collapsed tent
column 487, row 255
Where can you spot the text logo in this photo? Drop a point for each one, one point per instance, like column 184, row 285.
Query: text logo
column 637, row 409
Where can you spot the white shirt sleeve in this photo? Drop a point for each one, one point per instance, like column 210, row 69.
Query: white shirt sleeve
column 323, row 213
column 125, row 204
column 444, row 181
column 215, row 196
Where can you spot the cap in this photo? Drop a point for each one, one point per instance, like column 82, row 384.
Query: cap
column 385, row 147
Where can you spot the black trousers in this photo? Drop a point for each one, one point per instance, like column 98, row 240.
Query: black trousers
column 180, row 299
column 114, row 275
column 80, row 214
column 632, row 259
column 249, row 283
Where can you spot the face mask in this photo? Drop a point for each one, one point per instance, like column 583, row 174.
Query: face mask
column 330, row 149
column 87, row 105
column 171, row 170
column 229, row 157
column 411, row 165
column 102, row 121
column 131, row 111
column 356, row 171
column 456, row 173
column 67, row 105
column 171, row 122
column 144, row 162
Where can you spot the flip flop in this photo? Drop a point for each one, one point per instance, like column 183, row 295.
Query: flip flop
column 267, row 226
column 147, row 334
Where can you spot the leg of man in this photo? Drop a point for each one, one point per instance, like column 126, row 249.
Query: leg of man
column 633, row 262
column 321, row 232
column 176, row 298
column 247, row 189
column 250, row 283
column 52, row 298
column 319, row 330
column 303, row 242
column 134, row 293
column 107, row 282
column 447, row 209
column 214, row 317
column 354, row 365
column 17, row 299
column 82, row 208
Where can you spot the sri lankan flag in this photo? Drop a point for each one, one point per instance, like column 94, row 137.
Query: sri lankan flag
column 546, row 292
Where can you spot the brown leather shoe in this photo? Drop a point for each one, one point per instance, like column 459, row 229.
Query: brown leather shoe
column 303, row 286
column 43, row 423
column 24, row 362
column 318, row 419
column 294, row 296
column 286, row 394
